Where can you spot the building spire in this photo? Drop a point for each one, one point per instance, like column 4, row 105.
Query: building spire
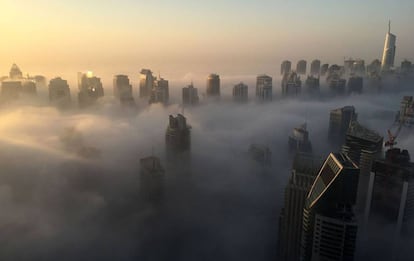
column 389, row 26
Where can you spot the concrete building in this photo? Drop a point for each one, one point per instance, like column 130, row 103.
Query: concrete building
column 261, row 154
column 355, row 84
column 90, row 89
column 406, row 68
column 240, row 92
column 406, row 114
column 315, row 68
column 329, row 224
column 336, row 84
column 15, row 85
column 152, row 179
column 291, row 84
column 324, row 69
column 299, row 140
column 177, row 136
column 59, row 92
column 312, row 84
column 15, row 73
column 190, row 95
column 146, row 83
column 10, row 89
column 161, row 92
column 301, row 67
column 264, row 87
column 29, row 88
column 286, row 67
column 388, row 54
column 390, row 205
column 304, row 171
column 339, row 122
column 123, row 90
column 213, row 85
column 374, row 67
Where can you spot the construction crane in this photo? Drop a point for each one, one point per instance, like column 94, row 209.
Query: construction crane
column 391, row 142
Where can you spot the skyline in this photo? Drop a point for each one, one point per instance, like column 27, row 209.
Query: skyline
column 179, row 37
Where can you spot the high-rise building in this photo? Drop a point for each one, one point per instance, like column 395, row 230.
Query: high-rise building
column 312, row 84
column 329, row 224
column 406, row 114
column 90, row 89
column 240, row 92
column 213, row 85
column 146, row 83
column 299, row 140
column 390, row 204
column 301, row 67
column 261, row 154
column 374, row 66
column 388, row 55
column 355, row 84
column 336, row 84
column 286, row 67
column 406, row 67
column 264, row 87
column 339, row 122
column 291, row 84
column 59, row 92
column 304, row 171
column 190, row 95
column 10, row 89
column 363, row 146
column 358, row 67
column 324, row 69
column 315, row 67
column 152, row 177
column 160, row 93
column 29, row 87
column 15, row 72
column 177, row 136
column 123, row 90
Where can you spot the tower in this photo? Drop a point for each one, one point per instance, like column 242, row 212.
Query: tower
column 213, row 85
column 90, row 89
column 388, row 54
column 264, row 87
column 240, row 92
column 146, row 83
column 190, row 95
column 59, row 92
column 123, row 90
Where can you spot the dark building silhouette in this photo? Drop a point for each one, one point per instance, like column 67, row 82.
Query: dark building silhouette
column 59, row 92
column 406, row 114
column 264, row 87
column 299, row 140
column 160, row 93
column 286, row 67
column 190, row 95
column 123, row 90
column 336, row 84
column 406, row 67
column 355, row 84
column 329, row 224
column 10, row 89
column 146, row 83
column 301, row 67
column 291, row 84
column 240, row 92
column 390, row 208
column 374, row 67
column 339, row 122
column 90, row 89
column 315, row 68
column 152, row 179
column 312, row 84
column 15, row 72
column 177, row 136
column 324, row 69
column 213, row 85
column 260, row 154
column 304, row 171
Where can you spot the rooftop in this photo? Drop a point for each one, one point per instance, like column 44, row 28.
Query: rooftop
column 359, row 131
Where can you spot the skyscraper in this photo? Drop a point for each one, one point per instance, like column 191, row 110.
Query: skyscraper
column 299, row 140
column 406, row 114
column 59, row 92
column 15, row 72
column 304, row 171
column 388, row 55
column 286, row 67
column 90, row 89
column 355, row 84
column 213, row 85
column 146, row 83
column 301, row 67
column 291, row 84
column 339, row 122
column 190, row 95
column 336, row 84
column 324, row 69
column 264, row 87
column 177, row 136
column 315, row 67
column 160, row 93
column 152, row 177
column 240, row 92
column 390, row 208
column 329, row 224
column 312, row 84
column 123, row 90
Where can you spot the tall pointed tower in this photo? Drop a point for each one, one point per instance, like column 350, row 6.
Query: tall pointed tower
column 389, row 50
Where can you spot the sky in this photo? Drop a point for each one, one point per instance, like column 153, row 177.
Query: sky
column 181, row 36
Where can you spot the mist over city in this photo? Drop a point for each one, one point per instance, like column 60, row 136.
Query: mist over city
column 227, row 130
